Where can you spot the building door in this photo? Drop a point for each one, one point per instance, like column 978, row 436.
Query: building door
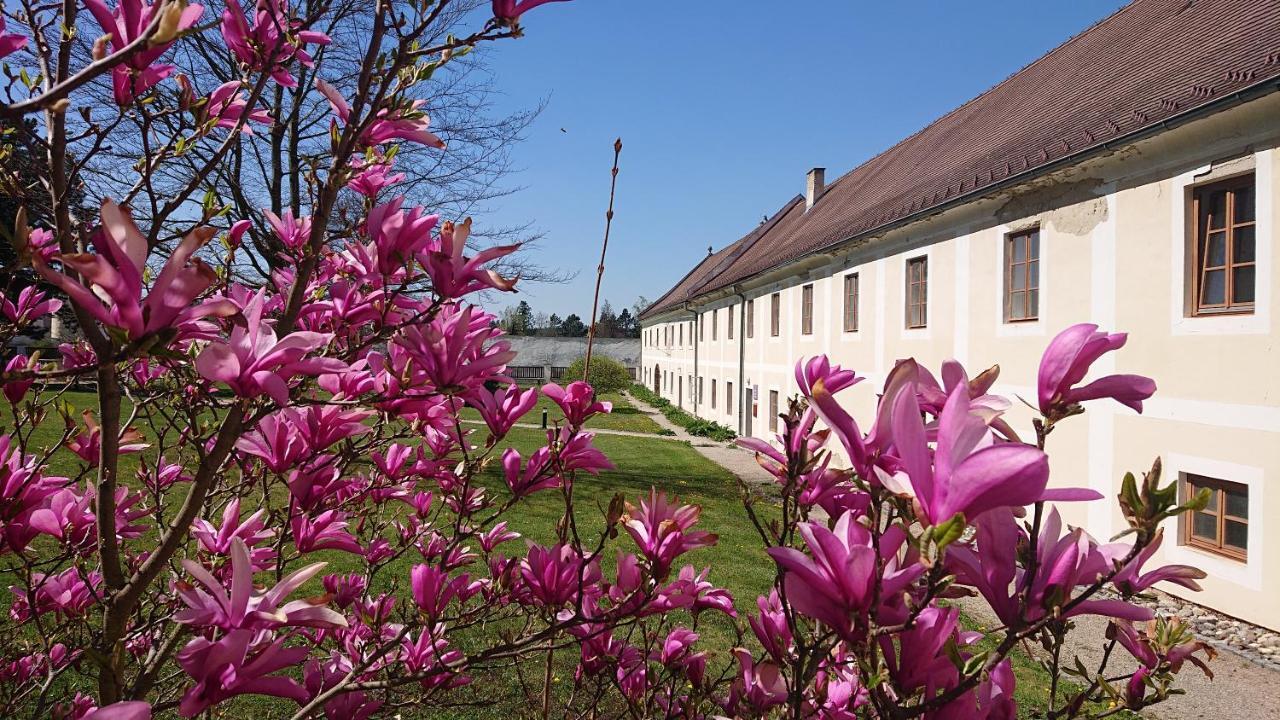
column 657, row 374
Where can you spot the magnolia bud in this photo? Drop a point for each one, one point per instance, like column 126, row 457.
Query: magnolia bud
column 100, row 47
column 169, row 19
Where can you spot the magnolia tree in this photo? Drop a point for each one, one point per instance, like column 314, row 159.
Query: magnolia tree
column 165, row 550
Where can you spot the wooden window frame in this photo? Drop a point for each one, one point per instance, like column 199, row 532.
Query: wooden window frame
column 715, row 324
column 728, row 397
column 775, row 315
column 751, row 318
column 713, row 393
column 916, row 281
column 1024, row 309
column 1199, row 246
column 774, row 410
column 702, row 327
column 729, row 326
column 806, row 309
column 851, row 282
column 1193, row 482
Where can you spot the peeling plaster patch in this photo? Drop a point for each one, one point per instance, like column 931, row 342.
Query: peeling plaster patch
column 1073, row 208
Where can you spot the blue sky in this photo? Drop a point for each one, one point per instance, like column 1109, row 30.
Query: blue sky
column 722, row 108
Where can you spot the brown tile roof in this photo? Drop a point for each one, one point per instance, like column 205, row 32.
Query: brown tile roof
column 1149, row 62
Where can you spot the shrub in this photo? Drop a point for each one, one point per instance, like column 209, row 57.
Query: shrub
column 607, row 375
column 695, row 426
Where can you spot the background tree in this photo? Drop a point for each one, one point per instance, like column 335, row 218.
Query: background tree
column 573, row 326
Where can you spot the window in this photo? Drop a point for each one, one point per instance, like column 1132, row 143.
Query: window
column 681, row 337
column 851, row 302
column 773, row 411
column 917, row 292
column 1223, row 526
column 728, row 398
column 1022, row 276
column 751, row 318
column 700, row 389
column 702, row 327
column 729, row 326
column 775, row 314
column 713, row 393
column 715, row 321
column 806, row 310
column 1224, row 247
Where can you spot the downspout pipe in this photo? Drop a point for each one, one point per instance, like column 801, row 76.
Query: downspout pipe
column 742, row 358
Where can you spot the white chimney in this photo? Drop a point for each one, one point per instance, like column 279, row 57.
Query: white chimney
column 813, row 188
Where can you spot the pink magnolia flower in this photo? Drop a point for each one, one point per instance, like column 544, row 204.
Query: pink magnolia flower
column 242, row 606
column 68, row 516
column 430, row 657
column 272, row 42
column 760, row 685
column 968, row 473
column 834, row 583
column 1067, row 360
column 454, row 352
column 509, row 11
column 88, row 444
column 254, row 362
column 69, row 593
column 326, row 531
column 130, row 19
column 23, row 491
column 78, row 355
column 374, row 178
column 41, row 244
column 31, row 304
column 1131, row 580
column 575, row 451
column 400, row 123
column 251, row 531
column 663, row 532
column 397, row 235
column 433, row 589
column 112, row 278
column 771, row 628
column 237, row 664
column 276, row 441
column 578, row 401
column 1170, row 642
column 15, row 390
column 537, row 474
column 10, row 42
column 834, row 378
column 226, row 105
column 293, row 232
column 164, row 474
column 123, row 710
column 345, row 589
column 555, row 576
column 454, row 274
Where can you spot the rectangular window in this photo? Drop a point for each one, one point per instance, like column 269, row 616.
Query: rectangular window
column 729, row 327
column 702, row 327
column 1223, row 526
column 715, row 324
column 728, row 398
column 681, row 336
column 851, row 302
column 751, row 318
column 1225, row 247
column 1022, row 276
column 713, row 393
column 775, row 314
column 773, row 411
column 699, row 390
column 806, row 310
column 917, row 292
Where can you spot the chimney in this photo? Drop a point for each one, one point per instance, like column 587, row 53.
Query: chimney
column 813, row 188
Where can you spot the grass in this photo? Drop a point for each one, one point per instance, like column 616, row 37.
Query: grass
column 625, row 416
column 737, row 561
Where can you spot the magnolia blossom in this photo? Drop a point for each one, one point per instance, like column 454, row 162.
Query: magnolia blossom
column 274, row 39
column 663, row 531
column 509, row 11
column 1067, row 361
column 32, row 304
column 578, row 401
column 401, row 123
column 453, row 274
column 126, row 23
column 253, row 361
column 10, row 42
column 226, row 105
column 373, row 178
column 111, row 286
